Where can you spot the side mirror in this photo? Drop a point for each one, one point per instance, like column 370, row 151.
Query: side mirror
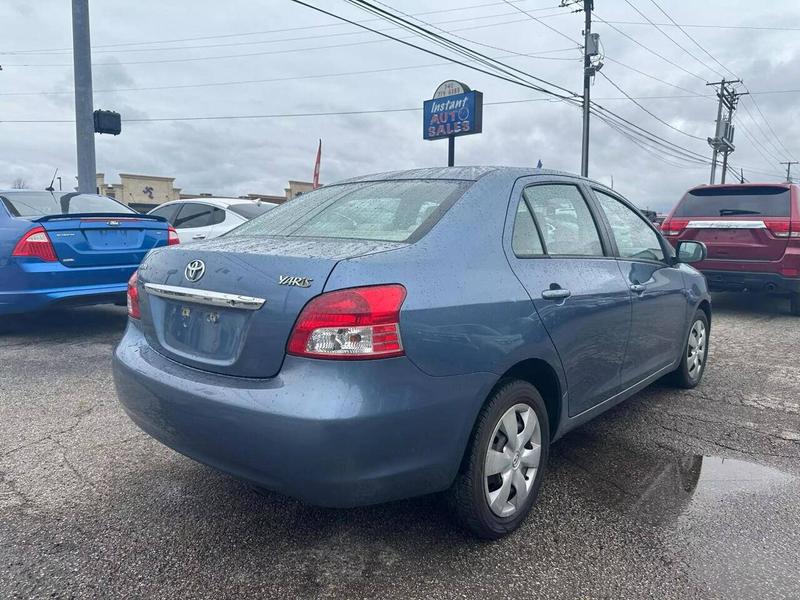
column 691, row 252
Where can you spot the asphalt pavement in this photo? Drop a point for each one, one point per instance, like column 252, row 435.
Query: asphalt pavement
column 673, row 494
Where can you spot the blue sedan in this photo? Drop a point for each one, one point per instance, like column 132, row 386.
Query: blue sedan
column 61, row 248
column 412, row 332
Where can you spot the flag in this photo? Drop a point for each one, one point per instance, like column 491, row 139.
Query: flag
column 539, row 164
column 316, row 166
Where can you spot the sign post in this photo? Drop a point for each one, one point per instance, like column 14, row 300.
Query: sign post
column 454, row 110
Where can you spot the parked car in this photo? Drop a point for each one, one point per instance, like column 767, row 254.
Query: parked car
column 405, row 333
column 752, row 232
column 206, row 218
column 70, row 248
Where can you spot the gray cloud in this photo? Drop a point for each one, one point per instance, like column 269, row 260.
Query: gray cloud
column 239, row 156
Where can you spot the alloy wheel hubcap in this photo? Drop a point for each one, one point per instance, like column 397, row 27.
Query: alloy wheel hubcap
column 696, row 349
column 512, row 460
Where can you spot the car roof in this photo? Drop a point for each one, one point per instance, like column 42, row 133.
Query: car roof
column 779, row 184
column 220, row 202
column 466, row 173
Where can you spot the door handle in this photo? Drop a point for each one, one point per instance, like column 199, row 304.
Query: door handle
column 556, row 294
column 199, row 236
column 638, row 288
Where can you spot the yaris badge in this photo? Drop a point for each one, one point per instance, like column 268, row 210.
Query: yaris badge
column 302, row 282
column 195, row 270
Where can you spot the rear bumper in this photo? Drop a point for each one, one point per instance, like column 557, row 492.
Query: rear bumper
column 330, row 433
column 37, row 285
column 754, row 282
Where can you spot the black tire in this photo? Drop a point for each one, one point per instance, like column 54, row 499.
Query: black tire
column 682, row 377
column 794, row 304
column 467, row 495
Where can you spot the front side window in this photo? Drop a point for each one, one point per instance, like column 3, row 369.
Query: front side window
column 635, row 238
column 564, row 219
column 395, row 211
column 525, row 240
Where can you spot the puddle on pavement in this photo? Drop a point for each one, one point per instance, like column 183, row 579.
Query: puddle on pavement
column 659, row 488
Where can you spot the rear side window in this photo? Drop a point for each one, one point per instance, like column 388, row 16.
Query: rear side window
column 525, row 240
column 168, row 212
column 761, row 201
column 395, row 211
column 41, row 204
column 194, row 215
column 564, row 220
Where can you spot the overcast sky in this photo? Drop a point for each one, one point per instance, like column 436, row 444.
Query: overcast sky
column 310, row 60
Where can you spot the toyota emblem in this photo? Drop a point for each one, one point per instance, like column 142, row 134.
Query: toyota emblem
column 195, row 270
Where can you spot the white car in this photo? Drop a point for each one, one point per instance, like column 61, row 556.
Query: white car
column 207, row 217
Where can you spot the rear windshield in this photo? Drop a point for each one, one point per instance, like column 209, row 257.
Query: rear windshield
column 762, row 201
column 41, row 204
column 396, row 211
column 251, row 210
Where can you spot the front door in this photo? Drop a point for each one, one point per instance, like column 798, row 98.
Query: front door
column 657, row 291
column 579, row 293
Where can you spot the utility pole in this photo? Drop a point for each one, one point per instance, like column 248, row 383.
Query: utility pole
column 84, row 114
column 587, row 82
column 723, row 135
column 591, row 48
column 789, row 164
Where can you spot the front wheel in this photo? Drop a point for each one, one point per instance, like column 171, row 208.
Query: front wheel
column 695, row 353
column 505, row 463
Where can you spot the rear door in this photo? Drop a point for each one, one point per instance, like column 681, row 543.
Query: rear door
column 195, row 221
column 560, row 256
column 736, row 223
column 659, row 305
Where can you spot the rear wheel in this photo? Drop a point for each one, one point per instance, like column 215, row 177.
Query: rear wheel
column 695, row 352
column 794, row 304
column 505, row 463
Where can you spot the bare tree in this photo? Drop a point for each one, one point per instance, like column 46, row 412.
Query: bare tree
column 19, row 184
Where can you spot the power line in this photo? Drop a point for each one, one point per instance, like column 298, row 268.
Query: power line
column 650, row 50
column 769, row 125
column 250, row 54
column 276, row 115
column 535, row 55
column 707, row 26
column 538, row 20
column 649, row 112
column 453, row 46
column 669, row 37
column 278, row 41
column 268, row 31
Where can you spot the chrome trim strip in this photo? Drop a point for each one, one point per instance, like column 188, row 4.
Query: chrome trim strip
column 726, row 225
column 173, row 292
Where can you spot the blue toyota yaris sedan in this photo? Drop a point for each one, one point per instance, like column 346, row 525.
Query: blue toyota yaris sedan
column 411, row 332
column 68, row 248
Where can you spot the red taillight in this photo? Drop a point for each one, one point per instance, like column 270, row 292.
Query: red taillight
column 674, row 226
column 356, row 323
column 133, row 296
column 172, row 236
column 36, row 243
column 783, row 229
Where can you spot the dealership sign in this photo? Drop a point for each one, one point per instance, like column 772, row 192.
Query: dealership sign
column 454, row 110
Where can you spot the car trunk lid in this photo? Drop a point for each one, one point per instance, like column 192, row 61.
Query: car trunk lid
column 736, row 223
column 235, row 318
column 103, row 240
column 738, row 239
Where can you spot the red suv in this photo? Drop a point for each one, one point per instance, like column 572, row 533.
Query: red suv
column 752, row 232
